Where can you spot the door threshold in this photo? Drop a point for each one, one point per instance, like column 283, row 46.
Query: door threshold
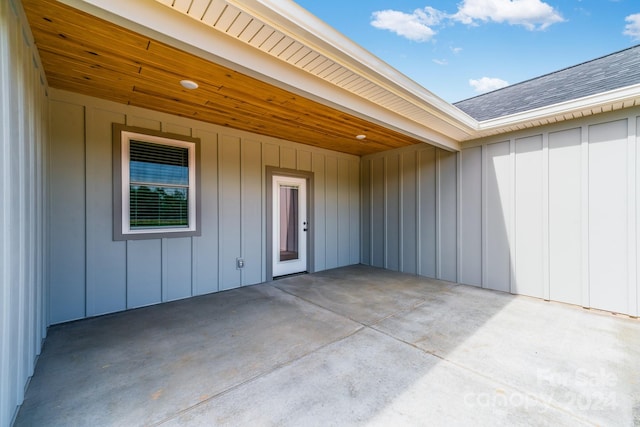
column 284, row 276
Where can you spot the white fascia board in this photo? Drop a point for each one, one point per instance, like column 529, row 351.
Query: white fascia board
column 166, row 25
column 567, row 107
column 316, row 34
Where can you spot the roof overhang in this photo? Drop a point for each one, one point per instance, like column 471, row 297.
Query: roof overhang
column 617, row 99
column 351, row 79
column 282, row 44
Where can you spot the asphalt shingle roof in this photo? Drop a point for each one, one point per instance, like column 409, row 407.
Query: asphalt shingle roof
column 599, row 75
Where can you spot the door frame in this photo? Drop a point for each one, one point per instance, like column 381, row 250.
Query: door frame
column 293, row 173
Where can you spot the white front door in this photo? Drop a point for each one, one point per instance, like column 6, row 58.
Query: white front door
column 290, row 225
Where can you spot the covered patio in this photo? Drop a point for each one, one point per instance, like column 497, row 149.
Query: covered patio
column 436, row 236
column 355, row 345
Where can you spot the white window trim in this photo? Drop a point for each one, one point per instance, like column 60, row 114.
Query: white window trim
column 122, row 135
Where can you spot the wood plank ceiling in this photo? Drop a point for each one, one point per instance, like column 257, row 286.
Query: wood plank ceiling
column 84, row 54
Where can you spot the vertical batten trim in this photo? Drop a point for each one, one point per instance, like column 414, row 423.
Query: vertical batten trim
column 361, row 211
column 126, row 274
column 217, row 210
column 438, row 205
column 164, row 269
column 416, row 161
column 400, row 213
column 546, row 282
column 8, row 407
column 46, row 303
column 484, row 214
column 19, row 223
column 194, row 267
column 324, row 202
column 85, row 213
column 584, row 185
column 511, row 206
column 240, row 199
column 458, row 216
column 218, row 200
column 240, row 196
column 88, row 281
column 385, row 216
column 632, row 267
column 457, row 213
column 370, row 211
column 263, row 208
column 267, row 257
column 637, row 203
column 358, row 207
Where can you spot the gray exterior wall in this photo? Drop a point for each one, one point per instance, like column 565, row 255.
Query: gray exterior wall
column 552, row 212
column 549, row 212
column 409, row 208
column 23, row 210
column 91, row 274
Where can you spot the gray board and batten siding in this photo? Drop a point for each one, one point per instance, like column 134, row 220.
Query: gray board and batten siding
column 558, row 212
column 409, row 211
column 24, row 221
column 91, row 274
column 549, row 212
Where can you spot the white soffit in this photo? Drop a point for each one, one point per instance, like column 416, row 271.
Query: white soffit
column 286, row 31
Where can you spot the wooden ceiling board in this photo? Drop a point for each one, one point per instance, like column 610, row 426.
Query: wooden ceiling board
column 84, row 54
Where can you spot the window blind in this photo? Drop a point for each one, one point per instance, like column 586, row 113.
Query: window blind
column 159, row 185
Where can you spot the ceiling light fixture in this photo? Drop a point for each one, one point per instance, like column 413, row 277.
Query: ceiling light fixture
column 361, row 137
column 189, row 84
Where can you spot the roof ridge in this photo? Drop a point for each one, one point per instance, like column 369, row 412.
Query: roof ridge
column 550, row 73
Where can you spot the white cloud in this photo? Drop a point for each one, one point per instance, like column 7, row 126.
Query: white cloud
column 441, row 61
column 456, row 50
column 531, row 14
column 487, row 84
column 419, row 25
column 414, row 26
column 633, row 27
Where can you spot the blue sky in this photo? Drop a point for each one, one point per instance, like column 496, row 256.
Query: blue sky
column 460, row 49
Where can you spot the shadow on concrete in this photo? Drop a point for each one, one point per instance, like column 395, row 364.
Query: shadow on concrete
column 354, row 345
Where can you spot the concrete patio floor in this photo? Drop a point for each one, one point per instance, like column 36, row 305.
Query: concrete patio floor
column 350, row 346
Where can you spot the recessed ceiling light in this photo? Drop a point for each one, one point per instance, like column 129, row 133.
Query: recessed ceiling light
column 361, row 136
column 189, row 84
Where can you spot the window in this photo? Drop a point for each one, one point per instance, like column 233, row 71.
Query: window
column 156, row 184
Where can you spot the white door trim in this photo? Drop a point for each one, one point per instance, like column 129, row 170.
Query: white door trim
column 298, row 264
